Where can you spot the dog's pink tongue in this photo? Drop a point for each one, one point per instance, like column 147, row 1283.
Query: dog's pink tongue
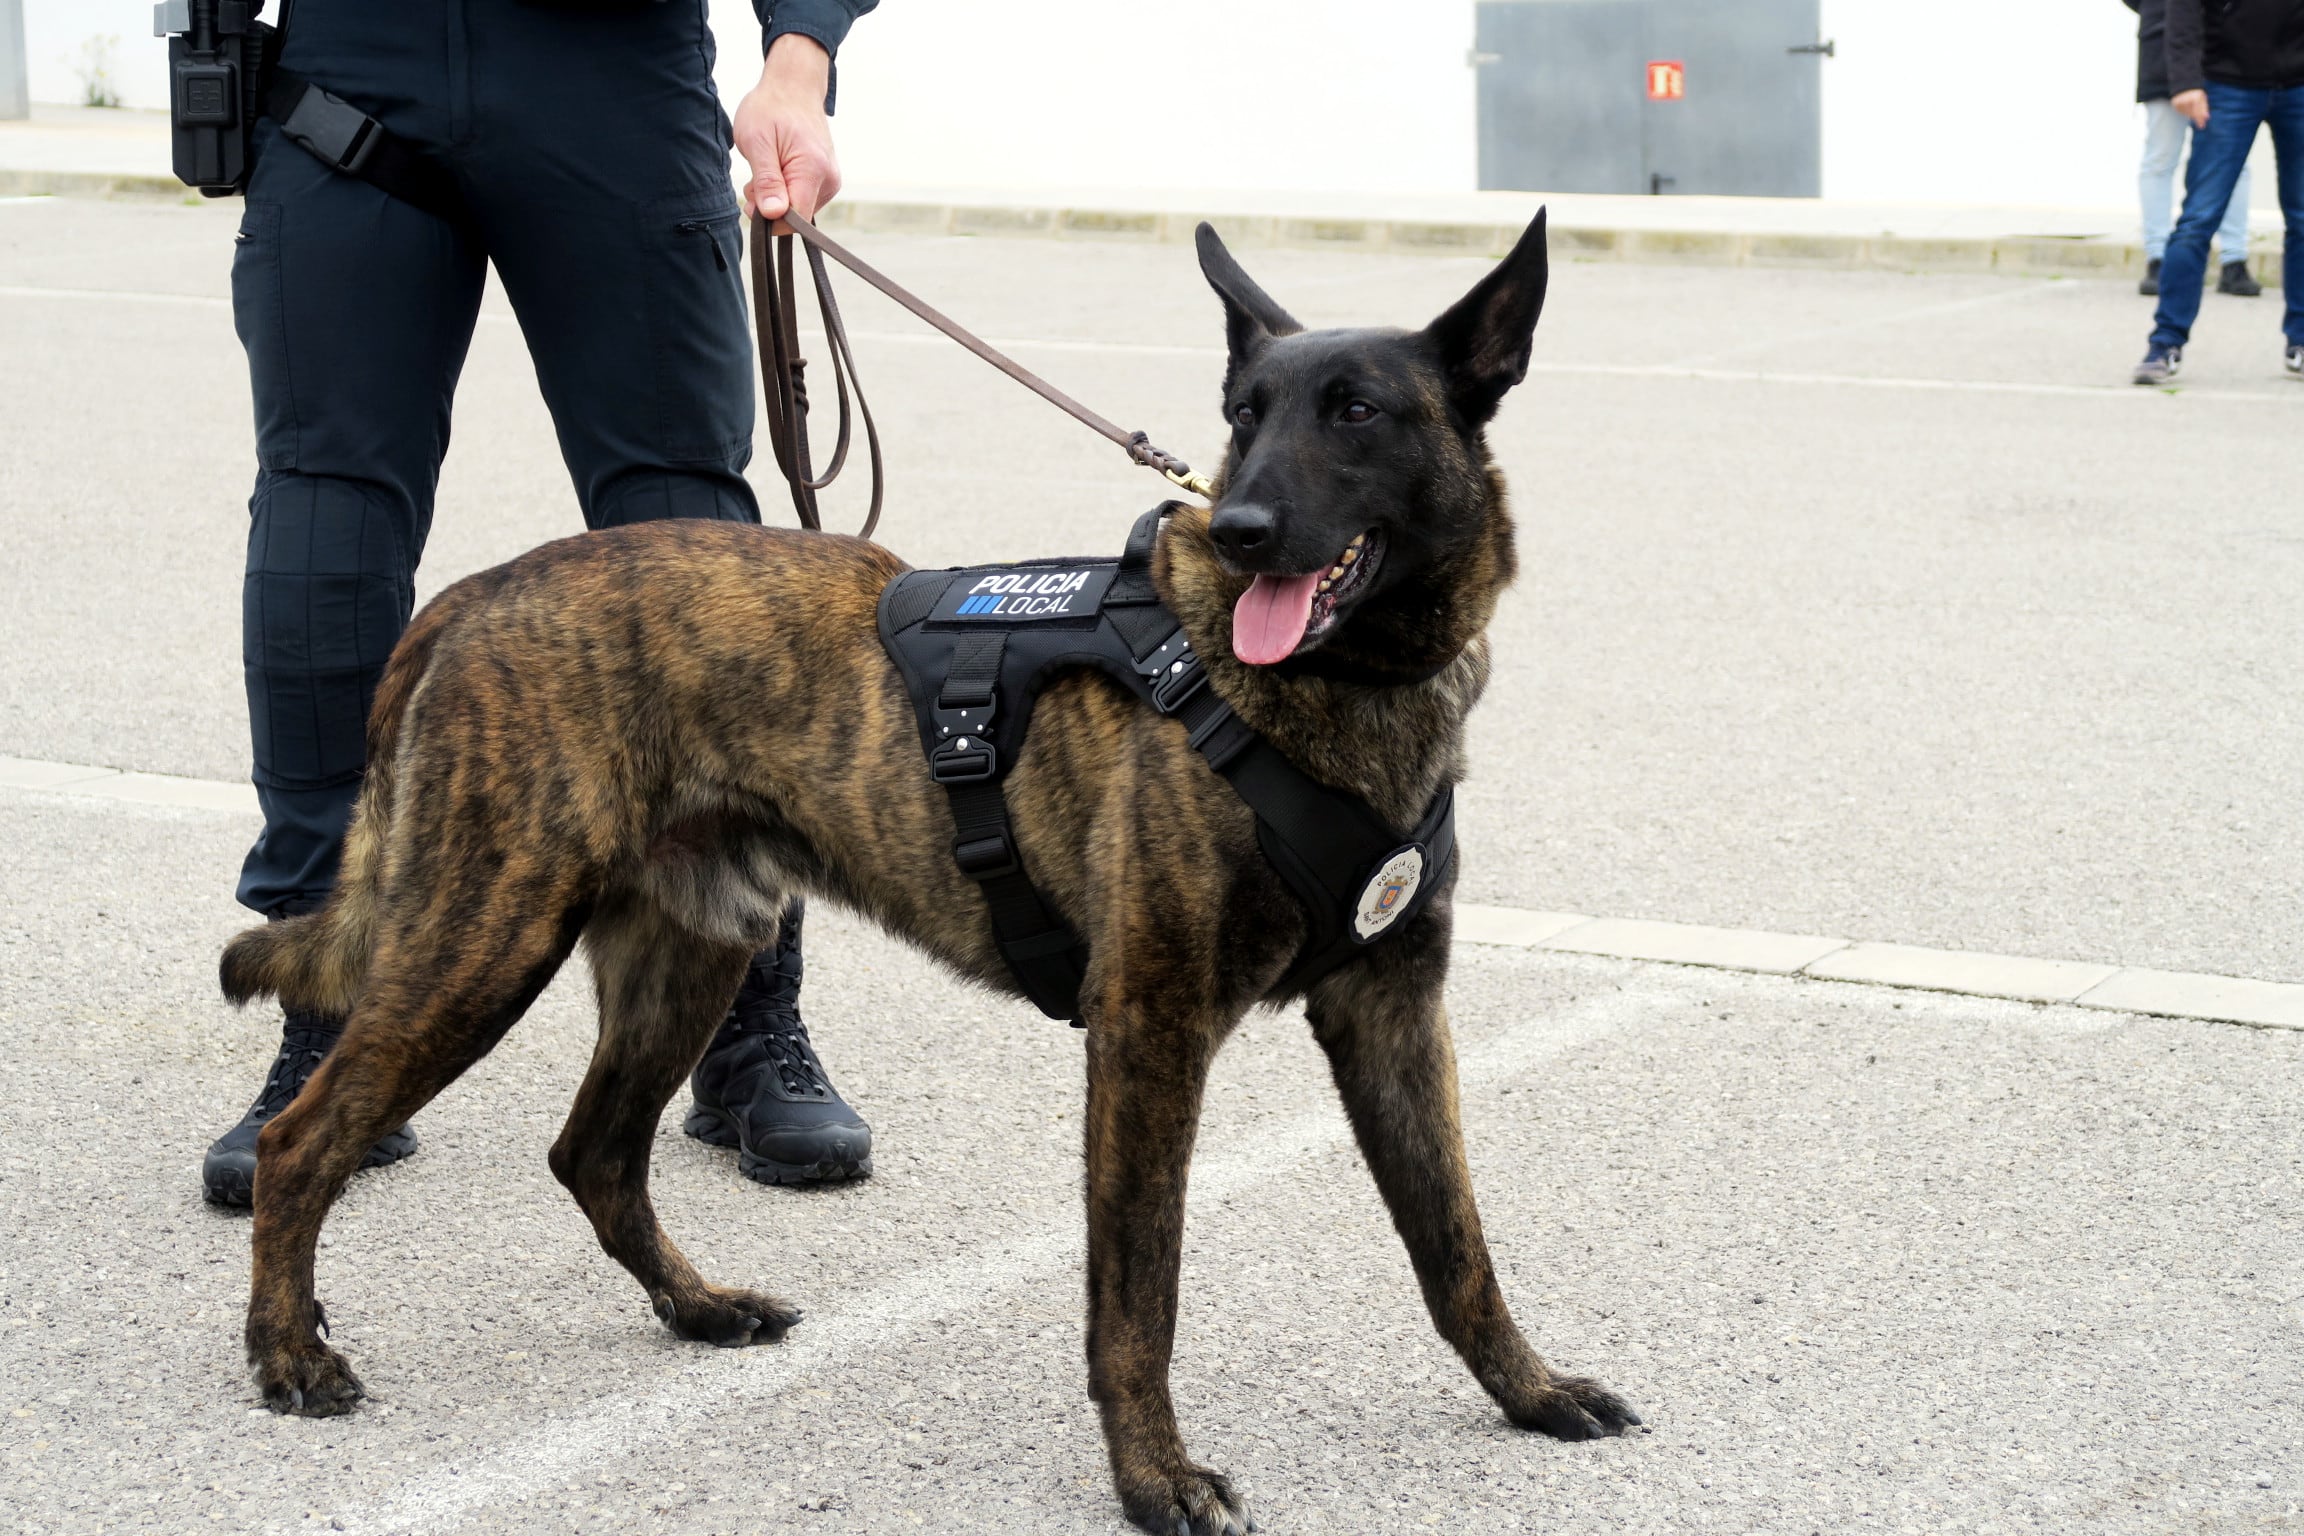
column 1269, row 619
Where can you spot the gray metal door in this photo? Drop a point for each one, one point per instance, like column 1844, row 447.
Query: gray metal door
column 1564, row 96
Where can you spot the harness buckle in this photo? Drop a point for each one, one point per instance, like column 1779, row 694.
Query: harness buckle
column 1174, row 673
column 963, row 760
column 985, row 858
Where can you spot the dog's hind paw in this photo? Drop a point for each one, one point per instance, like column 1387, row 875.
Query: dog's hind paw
column 1193, row 1502
column 312, row 1380
column 730, row 1319
column 1576, row 1408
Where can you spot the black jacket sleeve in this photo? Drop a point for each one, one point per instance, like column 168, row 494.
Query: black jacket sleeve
column 827, row 21
column 2187, row 35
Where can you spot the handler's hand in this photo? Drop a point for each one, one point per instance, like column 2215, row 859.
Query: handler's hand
column 783, row 134
column 2193, row 104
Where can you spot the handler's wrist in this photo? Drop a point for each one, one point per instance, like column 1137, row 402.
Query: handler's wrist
column 797, row 60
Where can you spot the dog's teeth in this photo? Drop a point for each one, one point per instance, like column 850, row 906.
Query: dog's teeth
column 1325, row 583
column 1351, row 554
column 1335, row 571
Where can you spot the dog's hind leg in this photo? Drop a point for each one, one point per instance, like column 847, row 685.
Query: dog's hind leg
column 662, row 989
column 1386, row 1035
column 436, row 1000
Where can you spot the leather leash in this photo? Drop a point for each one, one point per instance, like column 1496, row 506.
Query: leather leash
column 775, row 317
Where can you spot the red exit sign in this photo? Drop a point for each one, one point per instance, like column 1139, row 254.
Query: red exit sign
column 1667, row 79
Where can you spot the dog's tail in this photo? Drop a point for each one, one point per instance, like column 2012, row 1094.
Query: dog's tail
column 318, row 961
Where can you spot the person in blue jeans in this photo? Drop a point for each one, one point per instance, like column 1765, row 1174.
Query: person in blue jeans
column 2234, row 66
column 2165, row 132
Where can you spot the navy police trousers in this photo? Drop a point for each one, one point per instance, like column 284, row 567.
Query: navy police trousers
column 592, row 151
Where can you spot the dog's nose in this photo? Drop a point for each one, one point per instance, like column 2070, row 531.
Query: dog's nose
column 1244, row 530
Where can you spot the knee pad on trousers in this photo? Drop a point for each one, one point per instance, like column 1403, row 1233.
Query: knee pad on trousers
column 330, row 585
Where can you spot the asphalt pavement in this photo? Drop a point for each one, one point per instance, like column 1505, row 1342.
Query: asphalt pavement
column 1861, row 604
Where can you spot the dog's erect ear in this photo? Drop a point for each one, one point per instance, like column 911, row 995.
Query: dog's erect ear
column 1250, row 317
column 1485, row 338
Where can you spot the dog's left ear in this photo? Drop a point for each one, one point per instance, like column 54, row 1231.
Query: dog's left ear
column 1485, row 338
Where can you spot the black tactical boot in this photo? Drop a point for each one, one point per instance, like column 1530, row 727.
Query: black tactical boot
column 761, row 1090
column 2151, row 283
column 228, row 1174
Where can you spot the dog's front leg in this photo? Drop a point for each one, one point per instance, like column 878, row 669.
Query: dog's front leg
column 1147, row 1068
column 1386, row 1034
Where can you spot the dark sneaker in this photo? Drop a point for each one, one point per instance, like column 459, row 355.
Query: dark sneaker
column 2238, row 281
column 761, row 1089
column 2151, row 284
column 228, row 1173
column 2160, row 365
column 2295, row 359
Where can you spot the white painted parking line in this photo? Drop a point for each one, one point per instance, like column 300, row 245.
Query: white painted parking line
column 1512, row 925
column 118, row 784
column 1950, row 970
column 726, row 1384
column 1728, row 949
column 32, row 773
column 2236, row 999
column 2089, row 984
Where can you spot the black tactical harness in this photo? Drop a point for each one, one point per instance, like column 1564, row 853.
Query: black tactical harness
column 976, row 645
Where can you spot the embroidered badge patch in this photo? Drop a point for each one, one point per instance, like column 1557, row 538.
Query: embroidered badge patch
column 1023, row 594
column 1388, row 892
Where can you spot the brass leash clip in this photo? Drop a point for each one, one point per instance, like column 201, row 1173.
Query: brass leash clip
column 1198, row 484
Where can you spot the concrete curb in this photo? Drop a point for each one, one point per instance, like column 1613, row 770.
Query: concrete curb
column 2028, row 256
column 2022, row 256
column 2118, row 989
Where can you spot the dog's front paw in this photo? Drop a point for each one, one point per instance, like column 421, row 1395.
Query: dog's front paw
column 308, row 1378
column 1574, row 1408
column 1191, row 1502
column 728, row 1318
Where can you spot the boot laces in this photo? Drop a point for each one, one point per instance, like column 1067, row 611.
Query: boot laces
column 768, row 1010
column 304, row 1044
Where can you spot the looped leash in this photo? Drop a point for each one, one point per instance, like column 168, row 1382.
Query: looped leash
column 783, row 369
column 783, row 372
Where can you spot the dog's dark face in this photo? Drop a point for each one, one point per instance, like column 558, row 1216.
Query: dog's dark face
column 1356, row 471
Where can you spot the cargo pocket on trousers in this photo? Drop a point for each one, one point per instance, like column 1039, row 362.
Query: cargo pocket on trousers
column 259, row 315
column 701, row 330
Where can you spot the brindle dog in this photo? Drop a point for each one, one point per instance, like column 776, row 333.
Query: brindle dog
column 650, row 738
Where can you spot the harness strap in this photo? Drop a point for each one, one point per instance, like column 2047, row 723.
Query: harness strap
column 1047, row 958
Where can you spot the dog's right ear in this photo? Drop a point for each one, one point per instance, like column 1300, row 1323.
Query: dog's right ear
column 1250, row 317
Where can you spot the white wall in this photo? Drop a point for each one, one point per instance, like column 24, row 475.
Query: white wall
column 57, row 31
column 1997, row 101
column 1321, row 94
column 1993, row 101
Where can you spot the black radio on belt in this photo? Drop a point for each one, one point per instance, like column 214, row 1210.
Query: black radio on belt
column 216, row 55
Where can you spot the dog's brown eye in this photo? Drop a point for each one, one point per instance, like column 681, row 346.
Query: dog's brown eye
column 1244, row 417
column 1359, row 413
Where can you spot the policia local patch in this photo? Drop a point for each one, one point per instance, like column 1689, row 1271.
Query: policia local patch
column 1023, row 595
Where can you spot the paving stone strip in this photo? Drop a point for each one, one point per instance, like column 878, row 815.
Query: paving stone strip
column 2085, row 984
